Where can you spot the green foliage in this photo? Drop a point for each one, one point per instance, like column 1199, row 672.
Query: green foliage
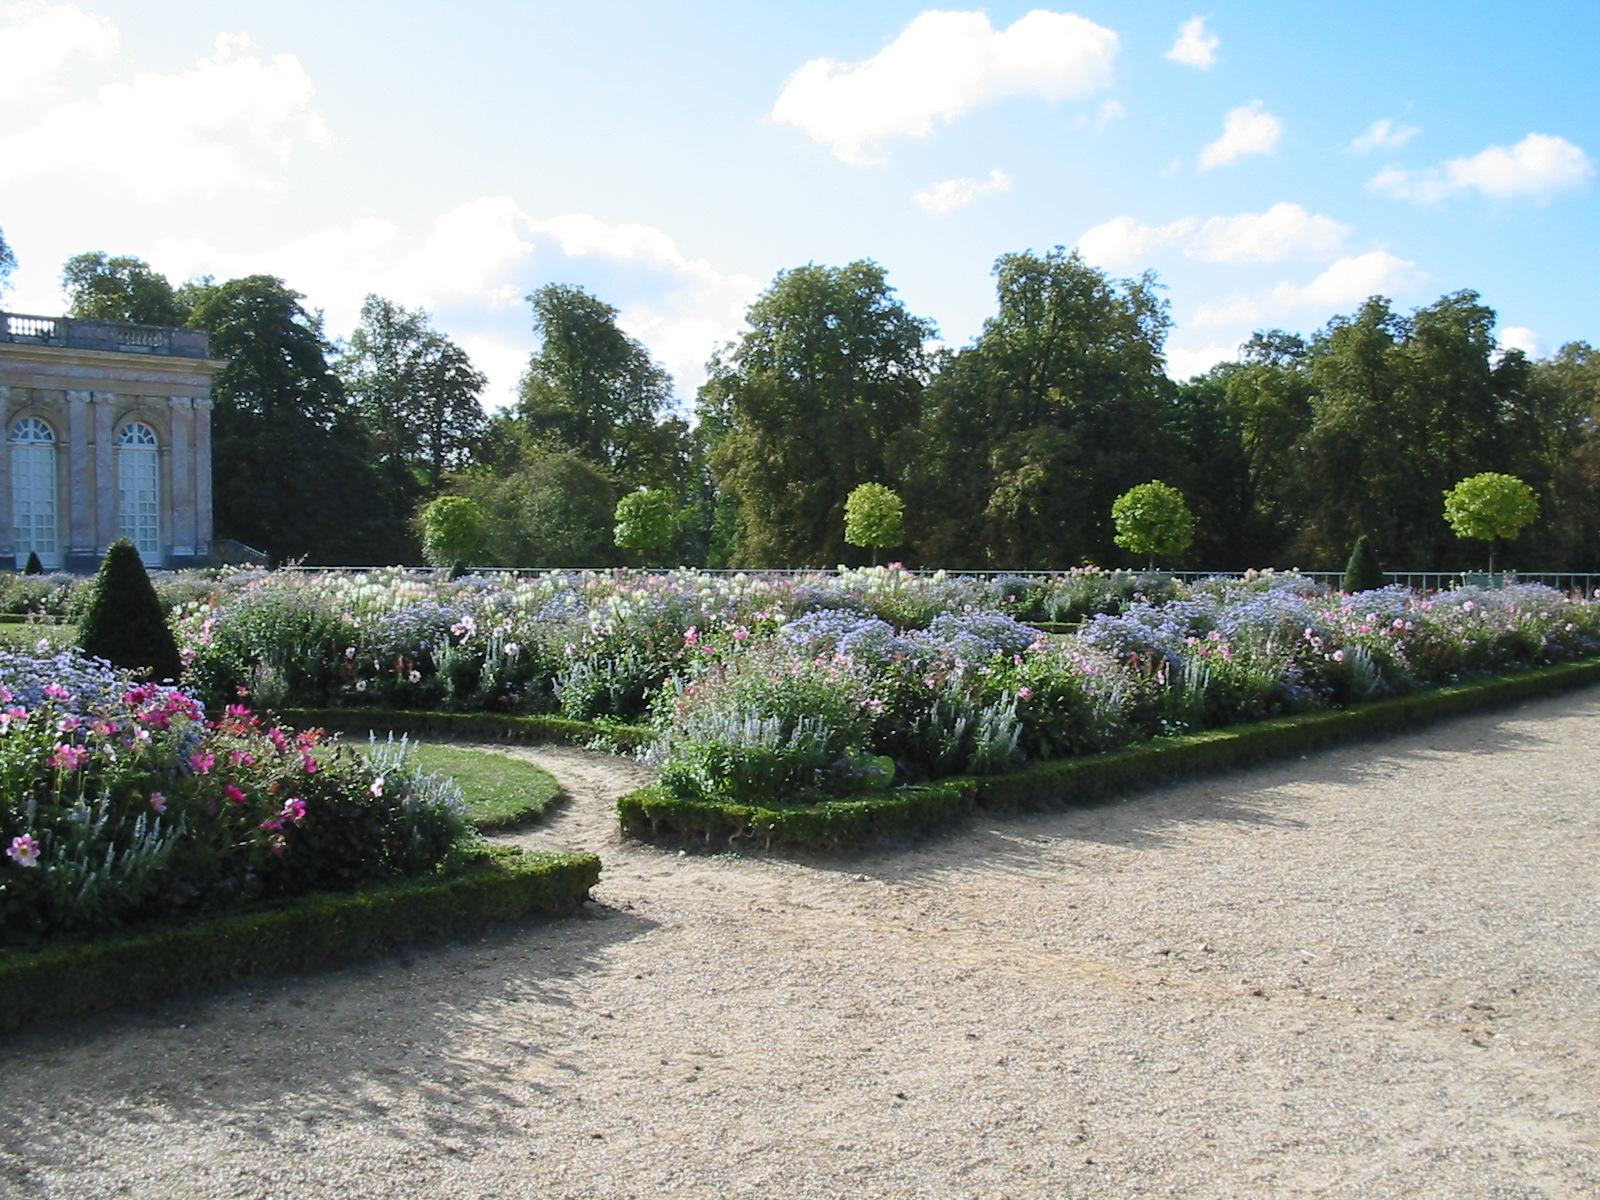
column 124, row 623
column 1153, row 519
column 1363, row 572
column 553, row 510
column 874, row 516
column 645, row 522
column 1490, row 506
column 481, row 887
column 452, row 531
column 818, row 393
column 34, row 567
column 301, row 477
column 102, row 287
column 481, row 726
column 416, row 390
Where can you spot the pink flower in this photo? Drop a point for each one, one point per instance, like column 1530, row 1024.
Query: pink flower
column 740, row 634
column 309, row 763
column 24, row 851
column 376, row 789
column 68, row 758
column 235, row 794
column 54, row 691
column 691, row 635
column 294, row 809
column 69, row 724
column 1025, row 693
column 158, row 803
column 279, row 742
column 201, row 762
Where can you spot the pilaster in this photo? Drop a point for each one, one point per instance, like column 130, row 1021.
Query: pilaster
column 8, row 549
column 80, row 554
column 183, row 524
column 105, row 478
column 202, row 475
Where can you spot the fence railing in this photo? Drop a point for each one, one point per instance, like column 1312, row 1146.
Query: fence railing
column 1586, row 582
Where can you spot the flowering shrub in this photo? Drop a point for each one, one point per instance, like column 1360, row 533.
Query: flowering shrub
column 122, row 801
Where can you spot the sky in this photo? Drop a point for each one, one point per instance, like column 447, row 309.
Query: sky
column 1273, row 164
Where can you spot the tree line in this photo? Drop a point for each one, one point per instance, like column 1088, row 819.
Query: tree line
column 1009, row 452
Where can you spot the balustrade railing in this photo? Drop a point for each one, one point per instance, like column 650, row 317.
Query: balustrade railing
column 123, row 337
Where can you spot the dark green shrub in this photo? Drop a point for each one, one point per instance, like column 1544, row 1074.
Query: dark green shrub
column 123, row 622
column 34, row 567
column 1364, row 572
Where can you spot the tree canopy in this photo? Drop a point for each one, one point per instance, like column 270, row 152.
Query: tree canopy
column 104, row 287
column 1153, row 520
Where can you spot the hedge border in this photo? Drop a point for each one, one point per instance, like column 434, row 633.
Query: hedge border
column 325, row 929
column 481, row 726
column 650, row 814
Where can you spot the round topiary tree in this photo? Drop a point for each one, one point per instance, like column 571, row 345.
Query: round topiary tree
column 34, row 566
column 452, row 530
column 874, row 516
column 123, row 622
column 645, row 522
column 1489, row 507
column 1153, row 519
column 1363, row 573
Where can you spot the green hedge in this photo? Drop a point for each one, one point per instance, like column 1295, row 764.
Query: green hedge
column 653, row 815
column 479, row 726
column 500, row 883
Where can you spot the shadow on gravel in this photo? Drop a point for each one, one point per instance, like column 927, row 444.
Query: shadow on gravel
column 273, row 1056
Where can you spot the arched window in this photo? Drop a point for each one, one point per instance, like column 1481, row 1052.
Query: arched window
column 33, row 493
column 139, row 490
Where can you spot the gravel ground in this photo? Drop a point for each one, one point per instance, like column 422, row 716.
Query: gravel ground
column 1372, row 973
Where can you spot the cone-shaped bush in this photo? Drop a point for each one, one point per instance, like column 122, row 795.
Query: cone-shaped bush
column 1363, row 572
column 123, row 622
column 34, row 567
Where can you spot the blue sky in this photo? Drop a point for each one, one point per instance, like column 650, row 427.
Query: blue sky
column 1273, row 163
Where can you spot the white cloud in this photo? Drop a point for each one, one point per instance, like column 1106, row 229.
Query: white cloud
column 1346, row 282
column 1281, row 232
column 1196, row 45
column 1109, row 111
column 950, row 194
column 38, row 41
column 1520, row 337
column 233, row 119
column 1246, row 130
column 1382, row 134
column 487, row 254
column 1536, row 167
column 942, row 65
column 1185, row 362
column 1127, row 242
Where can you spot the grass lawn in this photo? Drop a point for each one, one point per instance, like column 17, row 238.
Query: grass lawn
column 502, row 792
column 15, row 635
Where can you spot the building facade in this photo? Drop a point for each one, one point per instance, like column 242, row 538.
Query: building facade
column 108, row 435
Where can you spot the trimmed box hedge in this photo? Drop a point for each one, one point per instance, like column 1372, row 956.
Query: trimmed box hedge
column 652, row 815
column 481, row 726
column 499, row 883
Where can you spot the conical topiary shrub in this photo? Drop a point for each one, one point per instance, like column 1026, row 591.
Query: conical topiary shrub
column 123, row 622
column 34, row 567
column 1363, row 572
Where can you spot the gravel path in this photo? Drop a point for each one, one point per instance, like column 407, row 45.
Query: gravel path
column 1371, row 973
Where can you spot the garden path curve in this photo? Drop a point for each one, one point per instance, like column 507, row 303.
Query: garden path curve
column 1374, row 972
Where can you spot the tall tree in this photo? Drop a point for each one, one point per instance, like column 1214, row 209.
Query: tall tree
column 595, row 392
column 812, row 399
column 1060, row 405
column 8, row 264
column 416, row 390
column 104, row 287
column 294, row 472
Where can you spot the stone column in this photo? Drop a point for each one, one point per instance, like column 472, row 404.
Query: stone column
column 80, row 503
column 183, row 490
column 105, row 472
column 202, row 476
column 8, row 549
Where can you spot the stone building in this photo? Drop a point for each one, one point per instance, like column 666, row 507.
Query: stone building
column 108, row 435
